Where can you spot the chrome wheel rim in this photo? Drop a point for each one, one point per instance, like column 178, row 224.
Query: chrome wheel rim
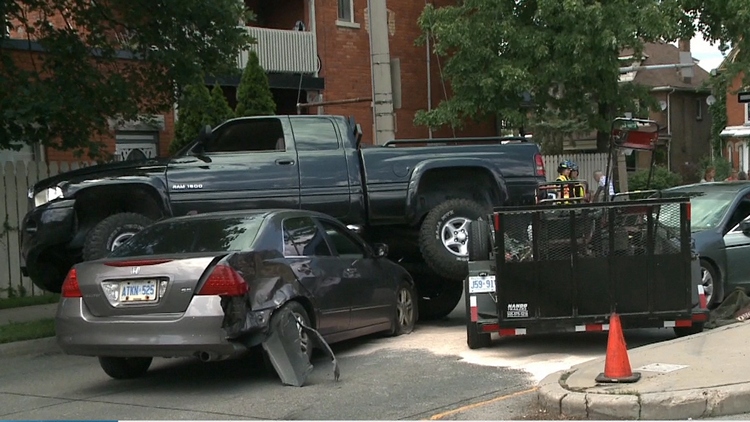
column 707, row 281
column 120, row 239
column 404, row 308
column 455, row 236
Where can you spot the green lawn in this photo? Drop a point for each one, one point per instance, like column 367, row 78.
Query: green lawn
column 19, row 331
column 19, row 301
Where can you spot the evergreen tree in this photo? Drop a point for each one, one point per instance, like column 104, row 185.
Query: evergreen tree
column 219, row 110
column 192, row 115
column 254, row 96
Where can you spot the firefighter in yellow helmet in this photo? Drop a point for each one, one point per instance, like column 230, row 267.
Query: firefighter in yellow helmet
column 578, row 190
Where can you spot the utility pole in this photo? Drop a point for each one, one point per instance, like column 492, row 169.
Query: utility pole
column 380, row 62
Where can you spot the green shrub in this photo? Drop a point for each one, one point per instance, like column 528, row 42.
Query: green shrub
column 662, row 178
column 219, row 110
column 721, row 164
column 192, row 115
column 254, row 96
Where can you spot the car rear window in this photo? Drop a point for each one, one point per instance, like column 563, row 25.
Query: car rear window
column 193, row 236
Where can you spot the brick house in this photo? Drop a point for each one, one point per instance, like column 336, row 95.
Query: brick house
column 318, row 50
column 737, row 131
column 684, row 118
column 147, row 137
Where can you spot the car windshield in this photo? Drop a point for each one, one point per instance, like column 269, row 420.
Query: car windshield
column 192, row 236
column 707, row 208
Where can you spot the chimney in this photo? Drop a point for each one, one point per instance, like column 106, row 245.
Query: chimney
column 684, row 46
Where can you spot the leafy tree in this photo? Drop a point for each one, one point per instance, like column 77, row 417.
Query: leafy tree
column 254, row 96
column 219, row 110
column 192, row 115
column 564, row 53
column 109, row 58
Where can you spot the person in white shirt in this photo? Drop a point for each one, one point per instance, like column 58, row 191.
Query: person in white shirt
column 600, row 180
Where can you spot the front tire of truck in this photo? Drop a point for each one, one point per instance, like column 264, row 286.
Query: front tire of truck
column 444, row 236
column 111, row 232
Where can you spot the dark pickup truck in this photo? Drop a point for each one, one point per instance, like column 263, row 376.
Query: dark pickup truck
column 413, row 195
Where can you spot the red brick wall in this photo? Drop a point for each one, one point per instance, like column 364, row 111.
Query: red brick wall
column 735, row 110
column 345, row 57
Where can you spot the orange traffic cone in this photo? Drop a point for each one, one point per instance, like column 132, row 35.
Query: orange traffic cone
column 617, row 364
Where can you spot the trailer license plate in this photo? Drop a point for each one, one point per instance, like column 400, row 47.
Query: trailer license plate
column 482, row 284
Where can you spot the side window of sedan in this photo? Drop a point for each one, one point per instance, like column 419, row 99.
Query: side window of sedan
column 343, row 242
column 302, row 237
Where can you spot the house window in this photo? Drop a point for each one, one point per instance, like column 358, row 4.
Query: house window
column 346, row 10
column 346, row 14
column 698, row 109
column 747, row 113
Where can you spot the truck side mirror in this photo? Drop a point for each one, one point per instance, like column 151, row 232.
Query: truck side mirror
column 205, row 134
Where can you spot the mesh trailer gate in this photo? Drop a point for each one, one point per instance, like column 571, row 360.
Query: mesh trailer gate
column 567, row 268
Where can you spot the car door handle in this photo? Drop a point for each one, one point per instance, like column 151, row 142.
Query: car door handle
column 350, row 272
column 284, row 162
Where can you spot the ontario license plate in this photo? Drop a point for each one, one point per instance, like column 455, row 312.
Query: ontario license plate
column 482, row 284
column 138, row 291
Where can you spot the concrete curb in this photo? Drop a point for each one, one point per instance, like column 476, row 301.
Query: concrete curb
column 554, row 398
column 47, row 345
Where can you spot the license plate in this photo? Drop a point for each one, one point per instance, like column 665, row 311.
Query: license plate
column 138, row 291
column 482, row 284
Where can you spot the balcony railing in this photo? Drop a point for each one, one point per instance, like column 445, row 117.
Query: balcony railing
column 283, row 51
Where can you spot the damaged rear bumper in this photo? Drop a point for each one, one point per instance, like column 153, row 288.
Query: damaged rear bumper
column 196, row 332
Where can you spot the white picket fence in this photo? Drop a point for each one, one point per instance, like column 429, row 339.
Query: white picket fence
column 16, row 178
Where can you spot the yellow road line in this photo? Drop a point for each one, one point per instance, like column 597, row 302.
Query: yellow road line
column 481, row 403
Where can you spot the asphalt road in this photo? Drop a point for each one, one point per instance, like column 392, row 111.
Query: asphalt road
column 430, row 374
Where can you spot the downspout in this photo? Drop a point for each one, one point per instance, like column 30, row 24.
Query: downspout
column 314, row 30
column 669, row 129
column 429, row 80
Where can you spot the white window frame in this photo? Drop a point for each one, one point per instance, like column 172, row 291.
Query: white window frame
column 698, row 109
column 347, row 23
column 747, row 113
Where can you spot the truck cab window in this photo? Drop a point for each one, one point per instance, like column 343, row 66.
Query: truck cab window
column 256, row 135
column 314, row 134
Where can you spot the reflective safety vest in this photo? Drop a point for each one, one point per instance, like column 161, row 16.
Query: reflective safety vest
column 565, row 188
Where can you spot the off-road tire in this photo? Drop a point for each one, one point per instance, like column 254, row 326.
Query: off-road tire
column 124, row 368
column 99, row 240
column 435, row 254
column 405, row 326
column 475, row 339
column 479, row 241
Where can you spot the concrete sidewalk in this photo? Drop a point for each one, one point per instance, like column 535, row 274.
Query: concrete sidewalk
column 700, row 376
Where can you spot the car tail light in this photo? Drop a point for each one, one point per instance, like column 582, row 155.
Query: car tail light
column 70, row 286
column 137, row 263
column 539, row 163
column 224, row 281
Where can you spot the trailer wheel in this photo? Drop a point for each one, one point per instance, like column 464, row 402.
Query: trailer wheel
column 479, row 241
column 687, row 331
column 475, row 339
column 444, row 236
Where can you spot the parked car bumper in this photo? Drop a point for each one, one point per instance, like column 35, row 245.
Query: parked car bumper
column 45, row 227
column 197, row 330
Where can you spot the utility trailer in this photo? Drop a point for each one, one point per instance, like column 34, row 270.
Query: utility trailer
column 565, row 265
